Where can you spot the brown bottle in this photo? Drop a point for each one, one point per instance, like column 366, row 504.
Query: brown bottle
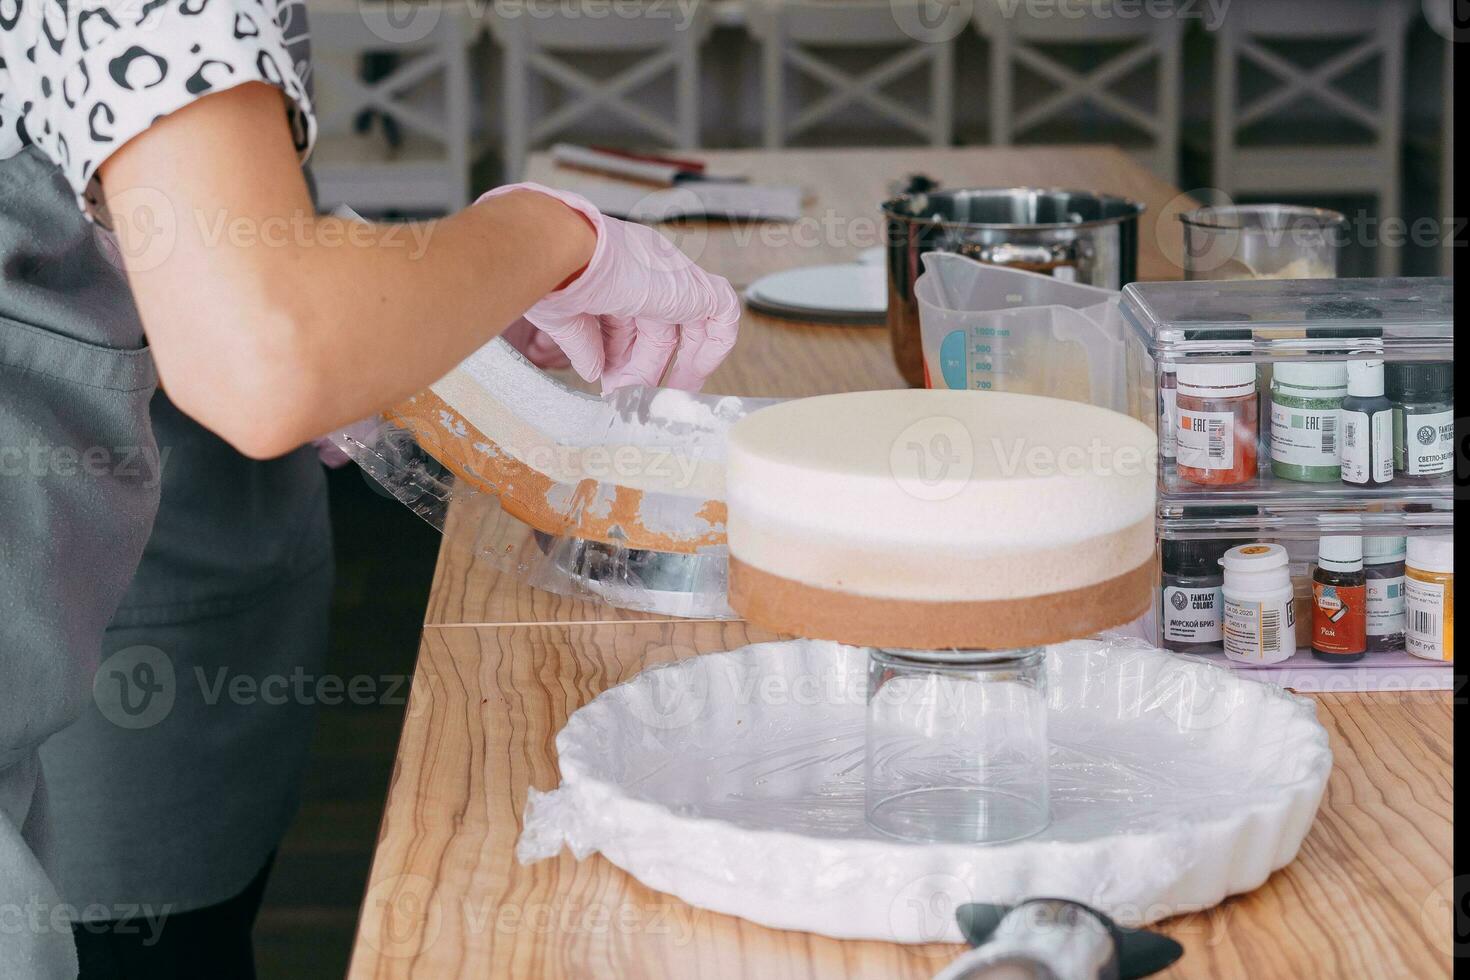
column 1339, row 601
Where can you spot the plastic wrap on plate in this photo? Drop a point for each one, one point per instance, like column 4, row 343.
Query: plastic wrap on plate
column 623, row 495
column 735, row 782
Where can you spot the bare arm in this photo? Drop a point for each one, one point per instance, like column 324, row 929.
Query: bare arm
column 271, row 325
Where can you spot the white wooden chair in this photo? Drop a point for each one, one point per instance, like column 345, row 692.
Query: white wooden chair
column 790, row 30
column 538, row 44
column 1375, row 30
column 1441, row 18
column 1016, row 35
column 1447, row 163
column 430, row 169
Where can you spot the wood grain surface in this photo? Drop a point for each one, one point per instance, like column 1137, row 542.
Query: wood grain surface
column 501, row 666
column 1369, row 894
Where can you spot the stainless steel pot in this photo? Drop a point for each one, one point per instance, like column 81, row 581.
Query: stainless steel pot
column 1074, row 235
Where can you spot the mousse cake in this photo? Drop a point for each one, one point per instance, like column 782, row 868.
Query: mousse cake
column 927, row 519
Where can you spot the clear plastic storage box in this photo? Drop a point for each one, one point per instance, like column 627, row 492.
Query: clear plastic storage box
column 1265, row 391
column 1190, row 613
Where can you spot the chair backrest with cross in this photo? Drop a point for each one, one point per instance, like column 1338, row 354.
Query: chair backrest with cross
column 1252, row 42
column 423, row 100
column 541, row 41
column 1022, row 38
column 790, row 31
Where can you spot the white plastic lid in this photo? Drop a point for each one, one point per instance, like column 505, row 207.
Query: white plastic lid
column 1208, row 376
column 1340, row 552
column 1432, row 554
column 1257, row 557
column 1383, row 550
column 1311, row 374
column 1365, row 378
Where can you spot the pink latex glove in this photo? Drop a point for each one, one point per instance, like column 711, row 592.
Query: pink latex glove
column 536, row 344
column 639, row 302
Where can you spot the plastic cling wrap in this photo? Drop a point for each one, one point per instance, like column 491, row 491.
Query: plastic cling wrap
column 619, row 498
column 735, row 782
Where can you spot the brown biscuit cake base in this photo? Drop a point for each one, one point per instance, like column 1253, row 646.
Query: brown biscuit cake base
column 798, row 609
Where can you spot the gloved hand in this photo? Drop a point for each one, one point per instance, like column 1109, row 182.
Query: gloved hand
column 639, row 301
column 536, row 344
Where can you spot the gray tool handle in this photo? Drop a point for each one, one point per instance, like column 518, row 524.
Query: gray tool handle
column 1042, row 940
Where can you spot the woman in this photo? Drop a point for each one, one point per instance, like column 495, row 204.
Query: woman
column 181, row 126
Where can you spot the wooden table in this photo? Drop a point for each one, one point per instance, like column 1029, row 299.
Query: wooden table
column 501, row 666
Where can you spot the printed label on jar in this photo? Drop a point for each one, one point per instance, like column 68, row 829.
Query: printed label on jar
column 1168, row 411
column 1424, row 619
column 1206, row 440
column 1259, row 632
column 1367, row 447
column 1339, row 618
column 1192, row 615
column 1429, row 442
column 1304, row 437
column 1386, row 606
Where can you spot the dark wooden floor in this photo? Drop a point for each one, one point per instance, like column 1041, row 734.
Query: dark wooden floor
column 385, row 561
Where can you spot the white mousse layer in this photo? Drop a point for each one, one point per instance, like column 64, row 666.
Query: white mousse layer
column 941, row 495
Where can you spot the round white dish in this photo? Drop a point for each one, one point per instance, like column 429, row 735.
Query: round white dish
column 734, row 781
column 849, row 288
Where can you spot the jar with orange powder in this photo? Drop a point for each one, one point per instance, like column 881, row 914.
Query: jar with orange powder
column 1217, row 424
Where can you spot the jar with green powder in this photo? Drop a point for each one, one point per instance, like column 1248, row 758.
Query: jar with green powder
column 1306, row 402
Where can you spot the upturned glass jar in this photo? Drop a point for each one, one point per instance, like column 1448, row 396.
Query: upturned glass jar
column 957, row 745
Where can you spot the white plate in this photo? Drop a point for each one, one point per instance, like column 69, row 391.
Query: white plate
column 734, row 781
column 827, row 289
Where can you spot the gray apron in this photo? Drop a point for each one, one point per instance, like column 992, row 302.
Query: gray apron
column 76, row 509
column 178, row 771
column 178, row 780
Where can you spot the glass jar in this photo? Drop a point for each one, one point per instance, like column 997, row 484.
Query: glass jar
column 1261, row 241
column 956, row 745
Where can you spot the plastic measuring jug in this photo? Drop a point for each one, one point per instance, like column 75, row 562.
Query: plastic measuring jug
column 992, row 328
